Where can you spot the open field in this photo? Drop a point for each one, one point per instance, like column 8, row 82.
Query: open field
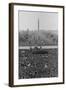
column 36, row 63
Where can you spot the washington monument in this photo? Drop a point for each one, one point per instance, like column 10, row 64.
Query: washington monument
column 38, row 25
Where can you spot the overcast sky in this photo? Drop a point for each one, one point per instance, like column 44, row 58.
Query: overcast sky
column 29, row 20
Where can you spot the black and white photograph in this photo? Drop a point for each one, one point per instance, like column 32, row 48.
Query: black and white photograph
column 36, row 47
column 38, row 44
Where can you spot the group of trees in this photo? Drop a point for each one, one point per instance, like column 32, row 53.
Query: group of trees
column 31, row 38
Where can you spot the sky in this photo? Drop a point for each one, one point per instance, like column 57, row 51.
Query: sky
column 29, row 20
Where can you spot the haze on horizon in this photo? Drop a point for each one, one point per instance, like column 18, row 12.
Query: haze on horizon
column 29, row 20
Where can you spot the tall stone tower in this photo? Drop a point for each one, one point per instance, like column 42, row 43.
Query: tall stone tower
column 38, row 25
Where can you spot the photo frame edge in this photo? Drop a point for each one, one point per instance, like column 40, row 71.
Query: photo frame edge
column 11, row 46
column 11, row 43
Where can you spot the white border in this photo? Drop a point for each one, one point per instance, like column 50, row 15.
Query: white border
column 60, row 46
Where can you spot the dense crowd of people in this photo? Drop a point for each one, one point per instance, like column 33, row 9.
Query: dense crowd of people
column 37, row 65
